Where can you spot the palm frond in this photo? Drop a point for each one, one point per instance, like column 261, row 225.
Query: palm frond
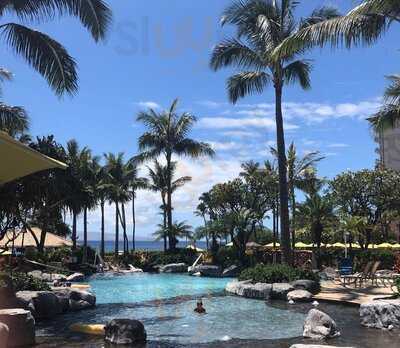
column 233, row 52
column 298, row 71
column 245, row 83
column 392, row 92
column 13, row 119
column 193, row 148
column 94, row 15
column 387, row 117
column 44, row 54
column 319, row 15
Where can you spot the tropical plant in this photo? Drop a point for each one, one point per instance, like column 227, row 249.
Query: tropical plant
column 262, row 25
column 179, row 230
column 40, row 51
column 297, row 168
column 167, row 135
column 362, row 25
column 159, row 183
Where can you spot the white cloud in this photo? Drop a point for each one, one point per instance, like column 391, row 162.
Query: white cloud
column 255, row 112
column 223, row 146
column 211, row 104
column 148, row 104
column 226, row 123
column 338, row 145
column 240, row 134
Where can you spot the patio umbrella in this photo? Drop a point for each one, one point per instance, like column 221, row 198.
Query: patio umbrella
column 253, row 245
column 271, row 245
column 384, row 246
column 18, row 160
column 338, row 245
column 354, row 245
column 301, row 245
column 192, row 247
column 396, row 246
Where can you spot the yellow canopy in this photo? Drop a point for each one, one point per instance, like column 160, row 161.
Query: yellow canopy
column 396, row 246
column 354, row 245
column 338, row 245
column 302, row 245
column 18, row 160
column 26, row 239
column 384, row 246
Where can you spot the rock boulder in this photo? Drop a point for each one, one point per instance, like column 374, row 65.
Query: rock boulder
column 245, row 288
column 42, row 304
column 208, row 270
column 306, row 284
column 7, row 293
column 125, row 332
column 300, row 296
column 319, row 325
column 280, row 290
column 21, row 326
column 173, row 268
column 76, row 277
column 4, row 334
column 314, row 346
column 380, row 314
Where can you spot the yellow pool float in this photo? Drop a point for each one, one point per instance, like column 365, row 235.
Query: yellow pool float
column 80, row 286
column 90, row 329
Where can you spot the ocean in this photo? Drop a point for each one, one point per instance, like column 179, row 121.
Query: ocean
column 141, row 245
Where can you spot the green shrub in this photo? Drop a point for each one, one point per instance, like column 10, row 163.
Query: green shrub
column 386, row 257
column 397, row 285
column 276, row 274
column 23, row 281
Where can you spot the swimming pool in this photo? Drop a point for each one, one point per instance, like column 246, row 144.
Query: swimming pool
column 142, row 287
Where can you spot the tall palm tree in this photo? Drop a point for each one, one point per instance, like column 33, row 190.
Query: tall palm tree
column 159, row 183
column 296, row 169
column 362, row 25
column 167, row 135
column 40, row 51
column 135, row 183
column 261, row 26
column 77, row 159
column 120, row 175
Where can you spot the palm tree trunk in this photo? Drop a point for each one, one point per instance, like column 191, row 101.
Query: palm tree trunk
column 85, row 235
column 171, row 238
column 164, row 207
column 102, row 229
column 126, row 243
column 73, row 230
column 133, row 223
column 283, row 186
column 293, row 204
column 116, row 246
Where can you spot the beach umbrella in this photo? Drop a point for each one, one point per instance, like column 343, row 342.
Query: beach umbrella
column 384, row 246
column 353, row 245
column 253, row 245
column 25, row 239
column 338, row 245
column 271, row 245
column 301, row 245
column 18, row 160
column 396, row 246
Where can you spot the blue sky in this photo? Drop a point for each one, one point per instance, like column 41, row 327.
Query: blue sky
column 158, row 50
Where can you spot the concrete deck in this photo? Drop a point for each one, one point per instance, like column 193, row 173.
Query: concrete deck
column 333, row 292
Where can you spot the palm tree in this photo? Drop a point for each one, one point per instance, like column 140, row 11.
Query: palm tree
column 159, row 183
column 167, row 135
column 76, row 159
column 362, row 25
column 14, row 120
column 40, row 51
column 261, row 26
column 135, row 183
column 296, row 169
column 179, row 230
column 119, row 180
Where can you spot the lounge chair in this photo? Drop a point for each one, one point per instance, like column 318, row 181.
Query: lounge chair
column 372, row 274
column 347, row 279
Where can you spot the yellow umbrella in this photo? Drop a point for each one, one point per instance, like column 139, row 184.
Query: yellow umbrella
column 354, row 245
column 271, row 245
column 384, row 246
column 338, row 245
column 18, row 160
column 372, row 246
column 301, row 245
column 396, row 246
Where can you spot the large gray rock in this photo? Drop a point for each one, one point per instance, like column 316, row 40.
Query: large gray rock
column 305, row 284
column 231, row 271
column 4, row 334
column 174, row 268
column 319, row 325
column 208, row 270
column 125, row 332
column 314, row 346
column 300, row 296
column 245, row 288
column 74, row 300
column 21, row 326
column 7, row 293
column 76, row 277
column 280, row 290
column 380, row 314
column 42, row 304
column 79, row 305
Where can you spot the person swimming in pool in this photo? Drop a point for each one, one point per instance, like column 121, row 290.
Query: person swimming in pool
column 199, row 308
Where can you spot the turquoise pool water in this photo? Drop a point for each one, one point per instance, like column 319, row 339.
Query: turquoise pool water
column 142, row 287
